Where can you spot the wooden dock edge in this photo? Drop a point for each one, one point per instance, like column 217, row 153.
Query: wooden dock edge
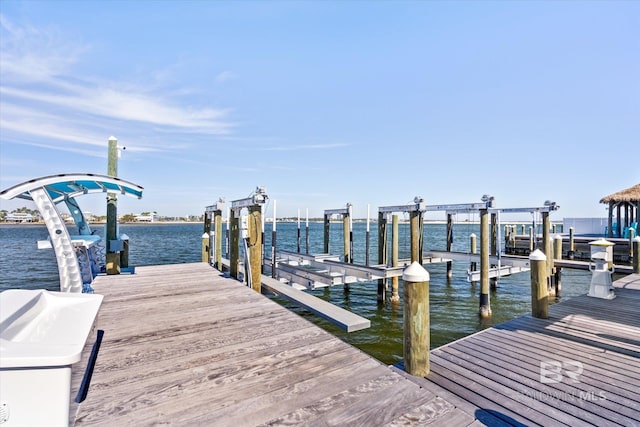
column 345, row 319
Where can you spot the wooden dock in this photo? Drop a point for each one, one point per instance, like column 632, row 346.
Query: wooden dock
column 579, row 367
column 184, row 345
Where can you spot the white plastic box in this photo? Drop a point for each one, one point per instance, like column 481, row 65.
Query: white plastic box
column 43, row 336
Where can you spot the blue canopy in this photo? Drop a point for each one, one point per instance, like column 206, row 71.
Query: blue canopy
column 64, row 186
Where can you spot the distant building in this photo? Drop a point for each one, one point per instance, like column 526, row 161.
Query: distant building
column 19, row 217
column 152, row 217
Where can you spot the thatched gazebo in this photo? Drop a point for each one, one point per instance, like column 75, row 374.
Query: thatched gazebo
column 627, row 205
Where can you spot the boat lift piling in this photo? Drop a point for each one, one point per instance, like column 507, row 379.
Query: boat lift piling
column 249, row 227
column 213, row 214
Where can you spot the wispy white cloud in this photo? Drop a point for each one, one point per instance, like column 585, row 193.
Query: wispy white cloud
column 34, row 54
column 42, row 96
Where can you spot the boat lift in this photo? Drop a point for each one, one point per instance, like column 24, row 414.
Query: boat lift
column 306, row 271
column 80, row 257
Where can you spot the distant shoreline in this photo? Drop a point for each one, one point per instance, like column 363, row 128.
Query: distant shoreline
column 269, row 221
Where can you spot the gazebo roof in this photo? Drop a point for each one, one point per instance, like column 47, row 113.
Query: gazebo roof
column 631, row 194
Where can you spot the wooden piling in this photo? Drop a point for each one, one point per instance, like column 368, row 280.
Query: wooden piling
column 346, row 236
column 273, row 242
column 367, row 238
column 485, row 305
column 327, row 225
column 632, row 235
column 557, row 271
column 111, row 236
column 306, row 233
column 494, row 234
column 572, row 244
column 474, row 250
column 547, row 247
column 416, row 320
column 415, row 218
column 204, row 253
column 636, row 255
column 532, row 239
column 124, row 253
column 255, row 246
column 395, row 296
column 449, row 243
column 382, row 252
column 298, row 237
column 539, row 287
column 234, row 240
column 217, row 236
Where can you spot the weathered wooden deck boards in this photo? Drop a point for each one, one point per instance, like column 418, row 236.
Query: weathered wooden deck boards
column 579, row 367
column 184, row 345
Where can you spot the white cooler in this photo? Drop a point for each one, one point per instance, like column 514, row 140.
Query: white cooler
column 43, row 336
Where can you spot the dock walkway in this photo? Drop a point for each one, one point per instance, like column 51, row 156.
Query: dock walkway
column 184, row 345
column 579, row 367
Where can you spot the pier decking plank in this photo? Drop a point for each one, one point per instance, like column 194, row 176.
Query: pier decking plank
column 184, row 345
column 595, row 342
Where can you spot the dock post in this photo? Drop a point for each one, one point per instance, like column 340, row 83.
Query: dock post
column 557, row 271
column 367, row 238
column 494, row 234
column 327, row 225
column 416, row 238
column 206, row 252
column 382, row 252
column 572, row 244
column 255, row 246
column 632, row 235
column 636, row 255
column 485, row 305
column 474, row 250
column 416, row 320
column 217, row 236
column 347, row 235
column 395, row 296
column 273, row 242
column 494, row 246
column 547, row 247
column 449, row 243
column 234, row 230
column 306, row 234
column 531, row 239
column 298, row 238
column 205, row 248
column 112, row 257
column 539, row 289
column 124, row 254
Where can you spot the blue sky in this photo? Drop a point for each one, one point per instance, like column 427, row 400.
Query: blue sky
column 324, row 103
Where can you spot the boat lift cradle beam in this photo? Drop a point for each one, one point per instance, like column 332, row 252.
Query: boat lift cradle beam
column 48, row 191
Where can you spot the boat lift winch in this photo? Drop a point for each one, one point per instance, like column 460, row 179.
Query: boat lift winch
column 80, row 257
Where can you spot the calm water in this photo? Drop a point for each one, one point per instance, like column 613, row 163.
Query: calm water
column 454, row 302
